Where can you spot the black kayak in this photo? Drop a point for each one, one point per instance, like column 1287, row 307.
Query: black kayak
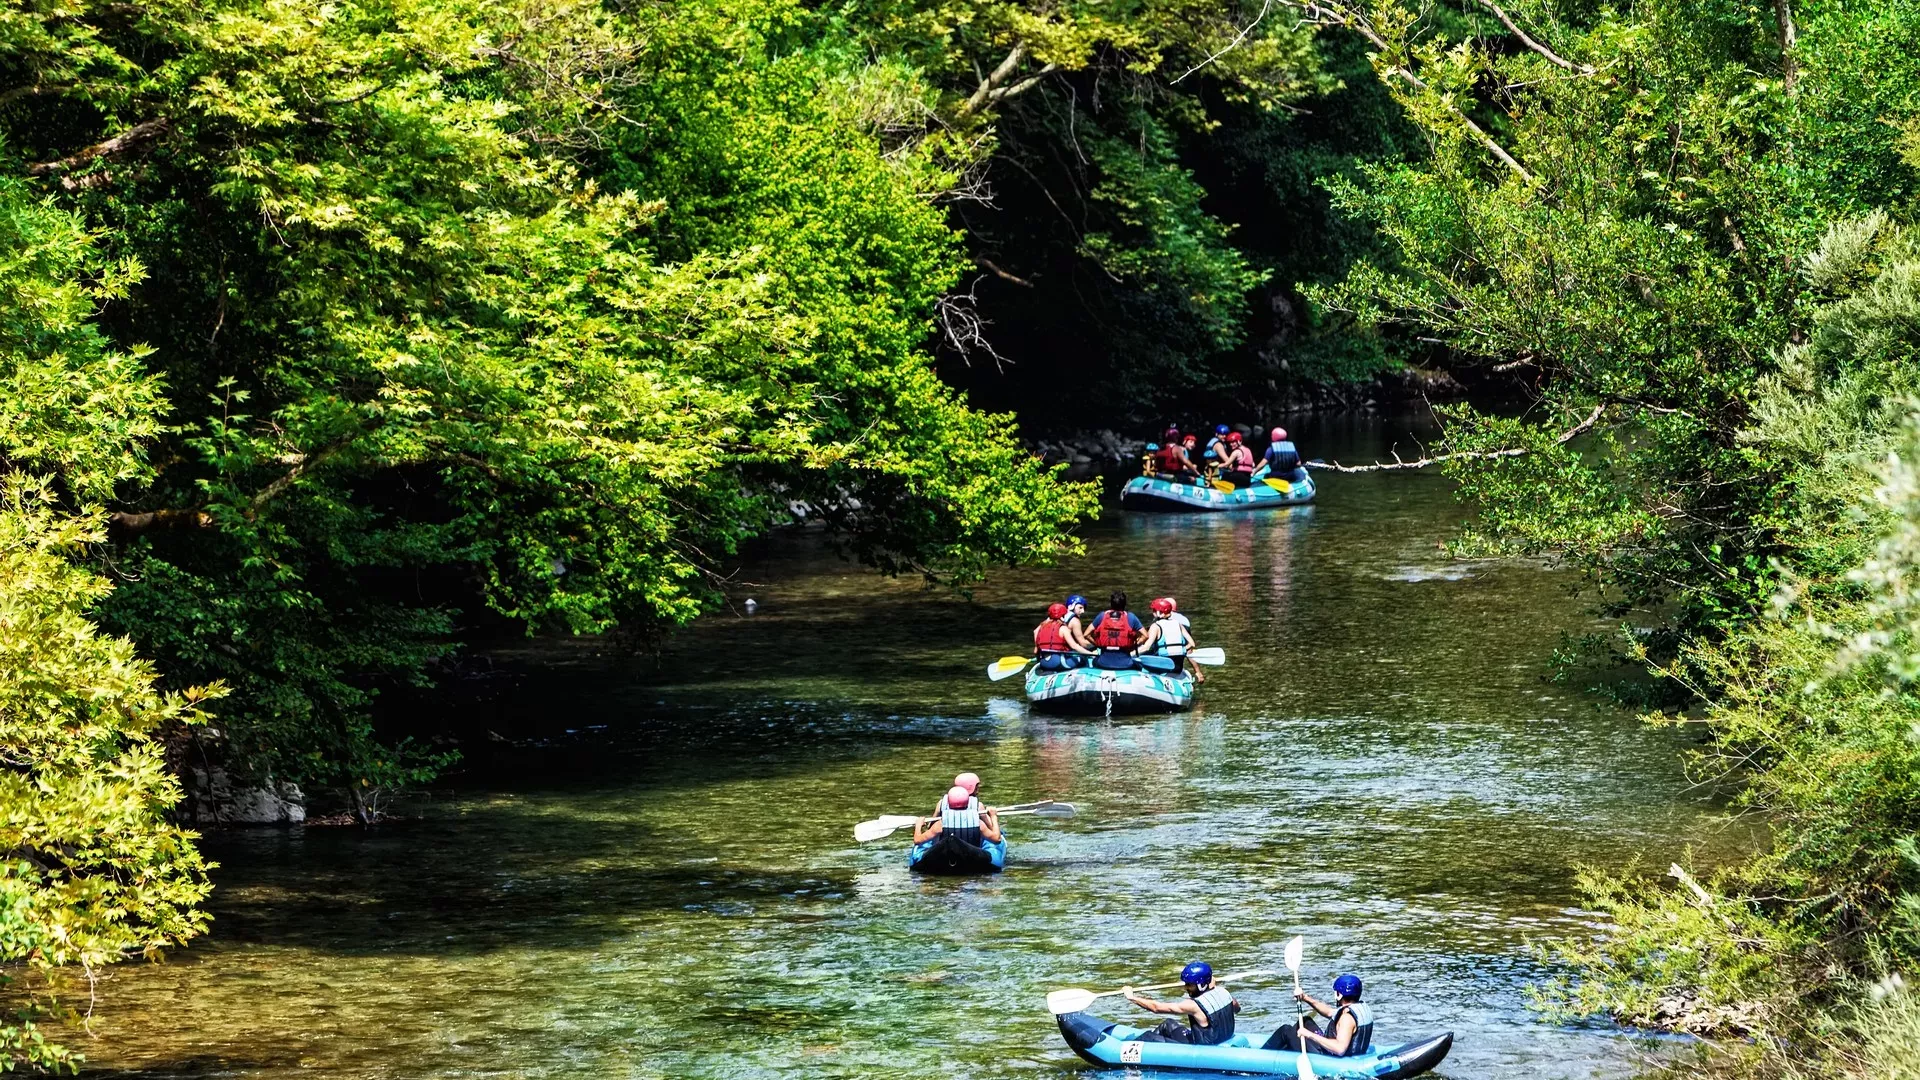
column 945, row 855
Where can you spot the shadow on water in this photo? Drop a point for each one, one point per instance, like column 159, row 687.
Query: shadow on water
column 652, row 875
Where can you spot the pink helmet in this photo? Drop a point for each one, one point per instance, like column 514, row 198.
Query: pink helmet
column 1172, row 604
column 957, row 798
column 1279, row 433
column 968, row 782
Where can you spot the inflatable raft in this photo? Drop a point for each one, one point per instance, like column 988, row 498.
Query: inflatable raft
column 1153, row 493
column 1100, row 691
column 945, row 855
column 1104, row 1042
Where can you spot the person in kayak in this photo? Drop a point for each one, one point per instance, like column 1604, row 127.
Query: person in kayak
column 1116, row 633
column 1056, row 650
column 1171, row 462
column 1282, row 457
column 961, row 818
column 1169, row 637
column 1208, row 1007
column 1349, row 1029
column 1237, row 467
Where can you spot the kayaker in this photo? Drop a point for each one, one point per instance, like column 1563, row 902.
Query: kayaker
column 1169, row 638
column 1238, row 467
column 961, row 818
column 1208, row 1008
column 1057, row 651
column 1171, row 462
column 1349, row 1029
column 1282, row 457
column 1116, row 633
column 970, row 783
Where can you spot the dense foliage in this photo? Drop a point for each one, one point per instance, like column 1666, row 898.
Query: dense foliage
column 1688, row 224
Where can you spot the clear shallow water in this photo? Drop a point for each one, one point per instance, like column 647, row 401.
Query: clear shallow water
column 653, row 874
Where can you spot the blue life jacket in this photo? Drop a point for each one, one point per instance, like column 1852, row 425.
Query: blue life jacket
column 962, row 824
column 1362, row 1027
column 1283, row 457
column 1218, row 1005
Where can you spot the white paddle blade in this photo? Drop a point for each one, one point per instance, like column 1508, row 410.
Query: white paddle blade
column 1061, row 1002
column 1295, row 950
column 885, row 825
column 1305, row 1067
column 1212, row 656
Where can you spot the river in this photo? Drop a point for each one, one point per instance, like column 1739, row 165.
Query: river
column 653, row 874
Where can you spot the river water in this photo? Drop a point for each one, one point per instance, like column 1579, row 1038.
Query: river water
column 653, row 874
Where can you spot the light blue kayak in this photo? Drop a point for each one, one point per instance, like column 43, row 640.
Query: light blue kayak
column 1092, row 690
column 1153, row 493
column 1104, row 1042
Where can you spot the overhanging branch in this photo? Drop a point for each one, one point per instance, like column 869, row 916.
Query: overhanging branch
column 131, row 139
column 1398, row 462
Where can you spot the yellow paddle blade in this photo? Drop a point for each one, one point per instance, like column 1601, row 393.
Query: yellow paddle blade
column 1007, row 665
column 1280, row 486
column 1222, row 485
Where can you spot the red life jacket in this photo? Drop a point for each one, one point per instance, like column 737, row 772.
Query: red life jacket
column 1051, row 637
column 1112, row 631
column 1167, row 459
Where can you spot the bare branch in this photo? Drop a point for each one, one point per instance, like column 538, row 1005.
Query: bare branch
column 1398, row 462
column 987, row 265
column 962, row 328
column 1231, row 45
column 1527, row 40
column 994, row 78
column 1789, row 68
column 143, row 132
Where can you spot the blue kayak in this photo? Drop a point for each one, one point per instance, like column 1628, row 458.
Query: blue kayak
column 1154, row 493
column 945, row 855
column 1104, row 1042
column 1094, row 690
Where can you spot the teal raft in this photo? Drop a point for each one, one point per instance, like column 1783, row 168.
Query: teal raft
column 1106, row 1043
column 1153, row 493
column 1098, row 691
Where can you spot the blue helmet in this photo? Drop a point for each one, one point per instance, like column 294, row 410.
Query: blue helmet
column 1076, row 598
column 1152, row 446
column 1347, row 986
column 1219, row 429
column 1198, row 973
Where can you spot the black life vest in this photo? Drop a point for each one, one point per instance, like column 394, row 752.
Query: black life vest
column 1113, row 630
column 1218, row 1005
column 1362, row 1027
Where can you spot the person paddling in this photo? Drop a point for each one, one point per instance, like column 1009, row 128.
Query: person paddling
column 1169, row 637
column 1208, row 1008
column 1218, row 446
column 1076, row 633
column 1171, row 462
column 1349, row 1030
column 961, row 818
column 1056, row 651
column 1282, row 457
column 1115, row 633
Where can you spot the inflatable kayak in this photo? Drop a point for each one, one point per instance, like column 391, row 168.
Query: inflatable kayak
column 1104, row 1042
column 1097, row 690
column 945, row 855
column 1153, row 493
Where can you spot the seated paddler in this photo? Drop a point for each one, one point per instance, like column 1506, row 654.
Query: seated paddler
column 1208, row 1010
column 1282, row 458
column 1169, row 639
column 1237, row 468
column 961, row 818
column 1116, row 633
column 1171, row 462
column 1348, row 1031
column 1054, row 644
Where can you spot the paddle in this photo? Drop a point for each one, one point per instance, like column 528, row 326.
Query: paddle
column 1280, row 486
column 1222, row 485
column 888, row 824
column 1294, row 950
column 1212, row 656
column 1061, row 1002
column 1008, row 665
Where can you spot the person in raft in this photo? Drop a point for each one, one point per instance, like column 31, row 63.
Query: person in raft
column 962, row 818
column 1076, row 633
column 1171, row 462
column 1169, row 637
column 1349, row 1030
column 1218, row 446
column 1237, row 469
column 1208, row 1008
column 1116, row 633
column 1282, row 457
column 1051, row 643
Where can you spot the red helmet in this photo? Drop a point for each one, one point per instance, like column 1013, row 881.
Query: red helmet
column 1056, row 611
column 1233, row 436
column 1191, row 439
column 1162, row 606
column 957, row 798
column 1279, row 434
column 967, row 781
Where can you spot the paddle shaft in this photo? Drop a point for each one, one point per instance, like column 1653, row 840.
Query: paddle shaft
column 1171, row 985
